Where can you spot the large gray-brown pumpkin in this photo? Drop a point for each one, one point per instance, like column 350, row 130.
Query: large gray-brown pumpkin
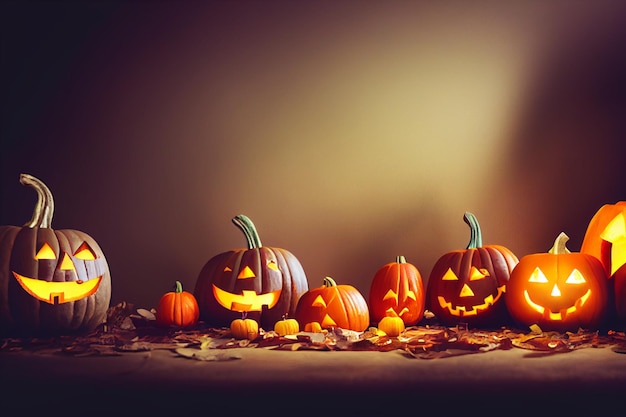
column 51, row 281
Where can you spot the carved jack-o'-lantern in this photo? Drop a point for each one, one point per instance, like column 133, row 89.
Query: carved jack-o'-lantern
column 559, row 290
column 333, row 305
column 605, row 237
column 263, row 282
column 468, row 285
column 51, row 281
column 397, row 286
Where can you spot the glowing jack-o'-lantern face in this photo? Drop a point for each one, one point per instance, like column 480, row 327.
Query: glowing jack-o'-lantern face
column 263, row 282
column 558, row 290
column 397, row 286
column 469, row 285
column 57, row 281
column 333, row 305
column 605, row 237
column 54, row 292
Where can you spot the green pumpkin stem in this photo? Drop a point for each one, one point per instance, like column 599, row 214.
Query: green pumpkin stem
column 476, row 237
column 400, row 259
column 559, row 245
column 329, row 282
column 178, row 287
column 245, row 224
column 44, row 209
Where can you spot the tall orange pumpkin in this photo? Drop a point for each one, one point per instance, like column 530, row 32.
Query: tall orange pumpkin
column 397, row 286
column 51, row 281
column 468, row 285
column 605, row 238
column 263, row 282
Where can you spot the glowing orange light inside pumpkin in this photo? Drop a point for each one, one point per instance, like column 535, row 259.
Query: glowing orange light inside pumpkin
column 45, row 252
column 58, row 292
column 615, row 232
column 248, row 300
column 466, row 291
column 575, row 278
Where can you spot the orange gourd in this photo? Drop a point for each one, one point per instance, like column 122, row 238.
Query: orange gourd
column 177, row 308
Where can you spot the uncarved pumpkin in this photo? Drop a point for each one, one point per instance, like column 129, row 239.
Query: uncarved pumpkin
column 468, row 285
column 262, row 281
column 51, row 281
column 177, row 308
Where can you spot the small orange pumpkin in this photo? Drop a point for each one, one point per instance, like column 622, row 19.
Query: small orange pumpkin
column 558, row 290
column 286, row 326
column 392, row 325
column 177, row 308
column 244, row 328
column 398, row 286
column 334, row 305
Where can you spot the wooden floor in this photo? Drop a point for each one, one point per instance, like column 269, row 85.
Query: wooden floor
column 268, row 382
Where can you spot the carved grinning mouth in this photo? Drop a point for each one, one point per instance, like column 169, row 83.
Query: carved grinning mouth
column 560, row 315
column 463, row 311
column 248, row 300
column 53, row 292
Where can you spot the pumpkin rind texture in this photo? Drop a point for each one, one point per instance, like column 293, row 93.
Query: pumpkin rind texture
column 559, row 290
column 469, row 285
column 262, row 281
column 393, row 326
column 398, row 286
column 52, row 282
column 177, row 308
column 244, row 329
column 333, row 305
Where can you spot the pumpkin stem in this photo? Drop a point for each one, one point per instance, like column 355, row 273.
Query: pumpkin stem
column 559, row 245
column 245, row 224
column 476, row 237
column 44, row 209
column 400, row 259
column 329, row 282
column 178, row 287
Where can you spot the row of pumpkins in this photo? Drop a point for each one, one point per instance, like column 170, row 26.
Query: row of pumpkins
column 58, row 282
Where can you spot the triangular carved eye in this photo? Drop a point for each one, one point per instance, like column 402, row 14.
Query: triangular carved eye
column 46, row 252
column 272, row 265
column 85, row 253
column 575, row 278
column 449, row 276
column 476, row 274
column 537, row 276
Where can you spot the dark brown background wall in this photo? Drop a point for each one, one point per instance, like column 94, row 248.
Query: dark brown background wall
column 350, row 132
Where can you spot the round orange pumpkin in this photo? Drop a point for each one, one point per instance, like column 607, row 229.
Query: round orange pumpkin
column 51, row 281
column 333, row 305
column 398, row 286
column 262, row 281
column 177, row 308
column 558, row 290
column 244, row 328
column 468, row 286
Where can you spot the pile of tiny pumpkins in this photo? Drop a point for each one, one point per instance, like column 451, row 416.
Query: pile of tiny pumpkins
column 58, row 282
